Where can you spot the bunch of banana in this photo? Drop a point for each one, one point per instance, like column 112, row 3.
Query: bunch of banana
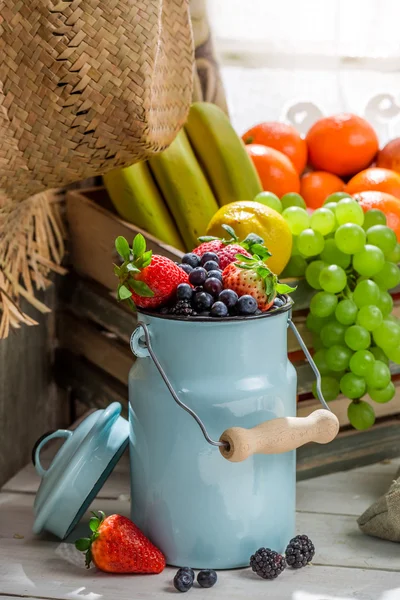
column 206, row 166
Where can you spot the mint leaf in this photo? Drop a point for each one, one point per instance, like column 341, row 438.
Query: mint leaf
column 82, row 544
column 94, row 524
column 139, row 246
column 122, row 247
column 141, row 288
column 282, row 288
column 123, row 292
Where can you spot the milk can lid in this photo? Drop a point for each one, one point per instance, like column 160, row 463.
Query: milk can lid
column 79, row 469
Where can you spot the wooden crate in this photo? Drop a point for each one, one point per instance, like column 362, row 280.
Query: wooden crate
column 94, row 358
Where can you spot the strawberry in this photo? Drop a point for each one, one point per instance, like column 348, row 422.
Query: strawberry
column 118, row 546
column 227, row 250
column 252, row 276
column 145, row 280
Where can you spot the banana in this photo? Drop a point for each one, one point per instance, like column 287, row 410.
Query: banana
column 137, row 199
column 185, row 188
column 222, row 154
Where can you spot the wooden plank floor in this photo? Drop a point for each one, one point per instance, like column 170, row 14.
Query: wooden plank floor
column 347, row 566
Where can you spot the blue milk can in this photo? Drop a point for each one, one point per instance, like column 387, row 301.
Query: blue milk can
column 209, row 499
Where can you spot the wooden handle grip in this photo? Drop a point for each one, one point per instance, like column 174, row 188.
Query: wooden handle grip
column 279, row 435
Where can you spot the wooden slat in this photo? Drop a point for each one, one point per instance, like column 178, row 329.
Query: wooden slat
column 93, row 230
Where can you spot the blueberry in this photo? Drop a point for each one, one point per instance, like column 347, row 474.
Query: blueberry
column 209, row 256
column 219, row 309
column 184, row 292
column 199, row 288
column 207, row 578
column 187, row 268
column 213, row 286
column 183, row 581
column 279, row 302
column 202, row 301
column 228, row 297
column 198, row 276
column 191, row 259
column 211, row 265
column 215, row 273
column 247, row 305
column 187, row 570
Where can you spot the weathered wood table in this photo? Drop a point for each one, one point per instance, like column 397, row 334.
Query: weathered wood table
column 348, row 565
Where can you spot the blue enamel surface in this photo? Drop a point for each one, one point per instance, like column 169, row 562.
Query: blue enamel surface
column 200, row 509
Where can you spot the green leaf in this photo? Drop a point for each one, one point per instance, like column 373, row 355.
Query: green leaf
column 123, row 292
column 244, row 258
column 139, row 246
column 252, row 239
column 88, row 558
column 207, row 238
column 122, row 247
column 282, row 288
column 146, row 258
column 83, row 544
column 141, row 288
column 117, row 270
column 131, row 304
column 94, row 524
column 231, row 232
column 260, row 251
column 131, row 267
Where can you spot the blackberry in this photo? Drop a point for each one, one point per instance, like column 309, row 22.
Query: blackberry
column 267, row 563
column 182, row 309
column 299, row 552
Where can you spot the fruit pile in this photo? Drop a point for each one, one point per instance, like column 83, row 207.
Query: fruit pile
column 220, row 278
column 174, row 195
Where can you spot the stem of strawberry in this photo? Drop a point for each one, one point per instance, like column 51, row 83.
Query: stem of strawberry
column 135, row 259
column 85, row 544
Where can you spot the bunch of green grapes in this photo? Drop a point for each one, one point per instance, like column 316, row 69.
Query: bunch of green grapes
column 350, row 259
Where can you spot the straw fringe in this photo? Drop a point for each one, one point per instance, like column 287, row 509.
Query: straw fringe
column 31, row 246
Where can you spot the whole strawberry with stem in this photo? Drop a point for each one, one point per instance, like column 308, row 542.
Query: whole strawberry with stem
column 118, row 546
column 146, row 280
column 252, row 276
column 227, row 249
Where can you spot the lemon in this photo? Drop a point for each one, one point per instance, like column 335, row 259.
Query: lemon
column 252, row 217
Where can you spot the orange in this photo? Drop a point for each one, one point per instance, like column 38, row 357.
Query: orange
column 282, row 137
column 343, row 144
column 317, row 185
column 276, row 171
column 387, row 203
column 389, row 156
column 381, row 180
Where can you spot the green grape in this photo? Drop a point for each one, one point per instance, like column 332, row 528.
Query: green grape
column 333, row 279
column 296, row 267
column 383, row 237
column 384, row 395
column 387, row 335
column 393, row 354
column 269, row 199
column 329, row 387
column 309, row 242
column 336, row 197
column 317, row 342
column 333, row 256
column 323, row 220
column 323, row 304
column 369, row 261
column 369, row 317
column 385, row 304
column 372, row 217
column 346, row 312
column 319, row 359
column 332, row 207
column 353, row 386
column 389, row 277
column 361, row 362
column 338, row 357
column 366, row 292
column 292, row 199
column 332, row 334
column 312, row 273
column 315, row 324
column 379, row 354
column 361, row 415
column 394, row 256
column 357, row 338
column 378, row 375
column 295, row 250
column 297, row 218
column 350, row 238
column 349, row 211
